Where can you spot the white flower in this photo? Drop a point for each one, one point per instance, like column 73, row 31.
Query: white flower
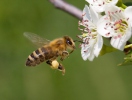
column 116, row 24
column 99, row 5
column 92, row 41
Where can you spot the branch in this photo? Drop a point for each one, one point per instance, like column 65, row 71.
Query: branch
column 72, row 10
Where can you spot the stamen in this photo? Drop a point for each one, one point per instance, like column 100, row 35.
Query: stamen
column 119, row 11
column 85, row 20
column 85, row 51
column 84, row 14
column 116, row 11
column 107, row 34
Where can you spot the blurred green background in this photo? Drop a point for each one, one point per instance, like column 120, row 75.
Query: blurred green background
column 101, row 79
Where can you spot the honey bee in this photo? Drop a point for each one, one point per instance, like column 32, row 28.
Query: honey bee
column 49, row 51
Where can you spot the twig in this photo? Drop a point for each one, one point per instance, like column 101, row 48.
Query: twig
column 72, row 10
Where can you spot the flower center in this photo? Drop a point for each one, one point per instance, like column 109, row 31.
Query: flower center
column 121, row 26
column 117, row 23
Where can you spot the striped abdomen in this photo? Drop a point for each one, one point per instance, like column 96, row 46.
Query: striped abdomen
column 40, row 55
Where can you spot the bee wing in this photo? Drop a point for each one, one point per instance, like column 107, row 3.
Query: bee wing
column 36, row 39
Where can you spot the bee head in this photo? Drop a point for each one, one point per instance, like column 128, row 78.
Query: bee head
column 69, row 42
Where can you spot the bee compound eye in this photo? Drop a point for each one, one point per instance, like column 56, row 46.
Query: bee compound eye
column 69, row 42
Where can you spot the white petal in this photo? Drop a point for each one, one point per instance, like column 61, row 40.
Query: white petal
column 91, row 50
column 99, row 8
column 94, row 15
column 87, row 16
column 90, row 1
column 117, row 43
column 92, row 43
column 128, row 13
column 87, row 50
column 85, row 53
column 95, row 5
column 111, row 9
column 91, row 57
column 128, row 34
column 98, row 45
column 101, row 27
column 87, row 13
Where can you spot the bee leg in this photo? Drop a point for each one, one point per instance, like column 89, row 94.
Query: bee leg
column 49, row 62
column 53, row 63
column 61, row 68
column 64, row 55
column 56, row 65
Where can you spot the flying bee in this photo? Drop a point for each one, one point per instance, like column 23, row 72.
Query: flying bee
column 49, row 51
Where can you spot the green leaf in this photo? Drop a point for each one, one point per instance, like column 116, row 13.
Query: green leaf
column 127, row 60
column 120, row 4
column 106, row 49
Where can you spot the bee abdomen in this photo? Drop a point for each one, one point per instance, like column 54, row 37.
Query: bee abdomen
column 38, row 56
column 33, row 59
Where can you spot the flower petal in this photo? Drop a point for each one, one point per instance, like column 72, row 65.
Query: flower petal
column 99, row 8
column 101, row 27
column 128, row 34
column 98, row 45
column 99, row 5
column 92, row 56
column 117, row 43
column 120, row 42
column 87, row 49
column 114, row 11
column 128, row 14
column 84, row 52
column 90, row 1
column 84, row 55
column 94, row 15
column 86, row 13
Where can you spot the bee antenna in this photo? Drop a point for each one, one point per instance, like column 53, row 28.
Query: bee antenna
column 78, row 41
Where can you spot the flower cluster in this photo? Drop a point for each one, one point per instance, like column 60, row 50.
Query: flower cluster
column 103, row 18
